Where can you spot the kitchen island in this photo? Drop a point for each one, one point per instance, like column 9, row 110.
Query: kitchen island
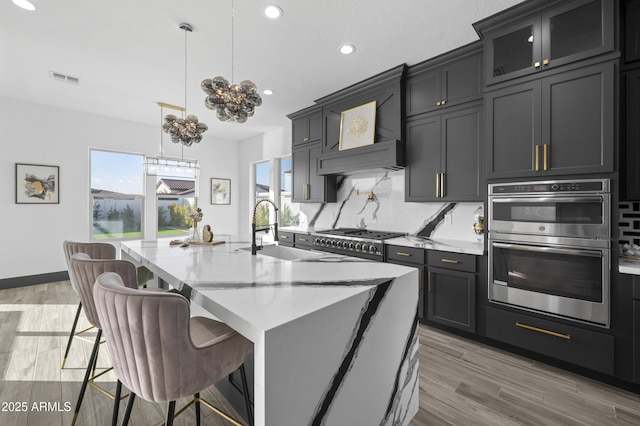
column 335, row 337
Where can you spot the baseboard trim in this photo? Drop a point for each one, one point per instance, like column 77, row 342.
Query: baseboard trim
column 33, row 280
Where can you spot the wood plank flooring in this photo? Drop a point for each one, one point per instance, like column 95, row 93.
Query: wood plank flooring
column 461, row 382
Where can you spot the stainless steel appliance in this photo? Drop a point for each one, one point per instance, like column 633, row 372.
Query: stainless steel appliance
column 550, row 247
column 363, row 243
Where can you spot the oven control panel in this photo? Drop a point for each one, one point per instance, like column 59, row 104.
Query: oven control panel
column 559, row 186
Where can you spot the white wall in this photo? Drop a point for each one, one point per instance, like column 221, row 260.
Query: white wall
column 269, row 146
column 38, row 134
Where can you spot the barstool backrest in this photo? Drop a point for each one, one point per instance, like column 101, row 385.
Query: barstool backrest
column 94, row 250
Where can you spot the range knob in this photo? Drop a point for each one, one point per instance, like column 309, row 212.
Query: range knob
column 333, row 243
column 555, row 187
column 365, row 247
column 339, row 244
column 357, row 246
column 351, row 246
column 316, row 242
column 322, row 241
column 372, row 249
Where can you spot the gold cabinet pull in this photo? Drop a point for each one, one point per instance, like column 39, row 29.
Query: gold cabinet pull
column 544, row 155
column 401, row 253
column 305, row 191
column 305, row 140
column 450, row 261
column 545, row 62
column 429, row 282
column 437, row 185
column 543, row 331
column 438, row 103
column 303, row 239
column 283, row 237
column 537, row 65
column 537, row 158
column 441, row 184
column 443, row 102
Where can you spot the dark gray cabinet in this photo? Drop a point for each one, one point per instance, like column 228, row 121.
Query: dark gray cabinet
column 448, row 80
column 306, row 126
column 631, row 13
column 451, row 289
column 557, row 125
column 307, row 185
column 416, row 258
column 632, row 134
column 444, row 155
column 544, row 35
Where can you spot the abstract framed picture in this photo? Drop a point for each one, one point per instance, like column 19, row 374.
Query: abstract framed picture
column 220, row 191
column 37, row 184
column 358, row 126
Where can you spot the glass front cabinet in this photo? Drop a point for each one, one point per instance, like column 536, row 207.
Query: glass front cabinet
column 572, row 31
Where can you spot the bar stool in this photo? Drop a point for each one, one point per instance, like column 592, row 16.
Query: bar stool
column 160, row 353
column 95, row 251
column 85, row 271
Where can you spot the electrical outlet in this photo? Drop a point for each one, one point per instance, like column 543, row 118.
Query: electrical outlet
column 447, row 219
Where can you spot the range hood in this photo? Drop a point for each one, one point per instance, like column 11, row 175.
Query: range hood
column 383, row 155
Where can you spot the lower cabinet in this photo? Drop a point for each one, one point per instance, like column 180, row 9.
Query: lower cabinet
column 574, row 345
column 414, row 257
column 451, row 290
column 303, row 241
column 285, row 238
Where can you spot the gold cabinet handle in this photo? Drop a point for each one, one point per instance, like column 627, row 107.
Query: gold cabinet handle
column 305, row 140
column 450, row 261
column 283, row 237
column 437, row 185
column 443, row 102
column 537, row 158
column 537, row 65
column 543, row 331
column 441, row 184
column 303, row 239
column 401, row 253
column 429, row 282
column 305, row 191
column 544, row 155
column 438, row 103
column 545, row 62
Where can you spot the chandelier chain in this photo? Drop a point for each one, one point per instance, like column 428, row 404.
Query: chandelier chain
column 232, row 37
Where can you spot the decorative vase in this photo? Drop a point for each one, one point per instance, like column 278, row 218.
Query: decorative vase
column 196, row 234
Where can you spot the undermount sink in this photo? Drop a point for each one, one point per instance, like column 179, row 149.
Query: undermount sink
column 284, row 252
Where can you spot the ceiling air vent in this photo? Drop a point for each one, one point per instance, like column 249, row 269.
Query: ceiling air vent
column 57, row 76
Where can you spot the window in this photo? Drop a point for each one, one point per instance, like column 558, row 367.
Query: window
column 175, row 201
column 289, row 212
column 262, row 190
column 117, row 195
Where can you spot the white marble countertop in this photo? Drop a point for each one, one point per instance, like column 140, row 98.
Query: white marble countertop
column 455, row 246
column 250, row 285
column 629, row 266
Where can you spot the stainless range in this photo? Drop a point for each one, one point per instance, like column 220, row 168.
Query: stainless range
column 363, row 243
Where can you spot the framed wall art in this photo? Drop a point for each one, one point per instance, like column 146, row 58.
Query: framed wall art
column 220, row 191
column 37, row 184
column 358, row 126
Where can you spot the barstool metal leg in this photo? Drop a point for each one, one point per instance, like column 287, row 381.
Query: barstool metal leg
column 116, row 404
column 170, row 410
column 73, row 332
column 127, row 411
column 196, row 397
column 245, row 393
column 92, row 360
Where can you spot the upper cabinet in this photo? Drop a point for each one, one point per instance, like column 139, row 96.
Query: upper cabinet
column 448, row 80
column 558, row 125
column 631, row 13
column 306, row 126
column 547, row 37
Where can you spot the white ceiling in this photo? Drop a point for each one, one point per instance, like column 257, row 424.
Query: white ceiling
column 129, row 54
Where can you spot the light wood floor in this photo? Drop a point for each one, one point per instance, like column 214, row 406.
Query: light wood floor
column 461, row 382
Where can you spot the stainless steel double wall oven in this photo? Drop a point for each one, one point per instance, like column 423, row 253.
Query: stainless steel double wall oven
column 550, row 248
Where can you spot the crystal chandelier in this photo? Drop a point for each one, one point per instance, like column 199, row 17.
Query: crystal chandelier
column 232, row 102
column 185, row 130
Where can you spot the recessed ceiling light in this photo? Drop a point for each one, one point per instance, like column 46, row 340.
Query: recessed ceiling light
column 273, row 11
column 347, row 49
column 25, row 4
column 267, row 92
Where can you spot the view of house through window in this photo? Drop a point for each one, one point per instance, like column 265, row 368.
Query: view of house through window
column 289, row 212
column 175, row 201
column 117, row 195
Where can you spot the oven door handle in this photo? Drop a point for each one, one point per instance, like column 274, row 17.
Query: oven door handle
column 501, row 200
column 577, row 252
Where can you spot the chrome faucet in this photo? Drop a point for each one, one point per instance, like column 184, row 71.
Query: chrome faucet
column 254, row 247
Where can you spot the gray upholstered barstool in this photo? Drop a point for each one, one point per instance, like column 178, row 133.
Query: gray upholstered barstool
column 95, row 251
column 160, row 353
column 85, row 271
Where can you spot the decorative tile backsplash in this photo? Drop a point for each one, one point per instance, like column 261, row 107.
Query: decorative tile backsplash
column 388, row 211
column 629, row 222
